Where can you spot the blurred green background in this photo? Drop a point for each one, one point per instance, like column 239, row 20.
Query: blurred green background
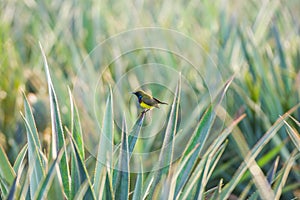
column 258, row 41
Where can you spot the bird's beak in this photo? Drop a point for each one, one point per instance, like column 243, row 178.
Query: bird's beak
column 132, row 92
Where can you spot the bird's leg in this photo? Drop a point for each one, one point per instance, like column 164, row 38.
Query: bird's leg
column 144, row 111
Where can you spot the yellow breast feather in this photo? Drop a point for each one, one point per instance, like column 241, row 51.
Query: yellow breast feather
column 143, row 105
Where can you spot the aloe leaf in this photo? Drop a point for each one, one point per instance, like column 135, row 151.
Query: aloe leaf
column 81, row 172
column 132, row 139
column 75, row 181
column 209, row 169
column 13, row 190
column 81, row 191
column 31, row 123
column 19, row 160
column 102, row 184
column 199, row 137
column 264, row 188
column 36, row 161
column 76, row 132
column 7, row 173
column 215, row 145
column 148, row 184
column 166, row 189
column 122, row 181
column 296, row 121
column 58, row 140
column 137, row 194
column 202, row 173
column 294, row 135
column 258, row 177
column 229, row 187
column 11, row 194
column 133, row 135
column 42, row 191
column 225, row 133
column 76, row 129
column 105, row 149
column 215, row 192
column 109, row 194
column 175, row 173
column 166, row 153
column 272, row 171
column 266, row 158
column 24, row 191
column 282, row 178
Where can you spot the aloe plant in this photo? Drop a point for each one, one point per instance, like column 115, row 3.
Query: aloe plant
column 231, row 79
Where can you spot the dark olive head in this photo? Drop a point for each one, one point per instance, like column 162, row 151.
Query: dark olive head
column 139, row 94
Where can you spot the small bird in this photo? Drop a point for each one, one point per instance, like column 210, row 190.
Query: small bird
column 146, row 101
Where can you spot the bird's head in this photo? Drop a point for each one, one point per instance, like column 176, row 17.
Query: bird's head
column 139, row 93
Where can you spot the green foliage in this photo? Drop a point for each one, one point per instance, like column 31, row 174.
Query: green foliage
column 7, row 173
column 105, row 149
column 37, row 170
column 58, row 137
column 239, row 141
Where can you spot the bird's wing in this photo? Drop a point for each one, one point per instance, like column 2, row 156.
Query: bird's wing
column 150, row 101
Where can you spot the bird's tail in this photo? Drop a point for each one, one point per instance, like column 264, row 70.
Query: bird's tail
column 160, row 102
column 163, row 103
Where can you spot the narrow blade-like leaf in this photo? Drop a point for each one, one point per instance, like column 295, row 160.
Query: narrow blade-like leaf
column 105, row 149
column 36, row 162
column 137, row 194
column 166, row 153
column 12, row 193
column 58, row 140
column 133, row 135
column 81, row 191
column 76, row 129
column 76, row 132
column 199, row 137
column 7, row 173
column 202, row 172
column 44, row 187
column 229, row 187
column 122, row 181
column 294, row 135
column 19, row 160
column 272, row 171
column 281, row 180
column 81, row 171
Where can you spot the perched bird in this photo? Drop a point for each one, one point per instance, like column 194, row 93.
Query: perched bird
column 146, row 101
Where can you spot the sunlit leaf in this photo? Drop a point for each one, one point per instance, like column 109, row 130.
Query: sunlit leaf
column 58, row 140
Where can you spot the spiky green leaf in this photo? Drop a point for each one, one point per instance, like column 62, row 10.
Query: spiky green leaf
column 105, row 149
column 58, row 137
column 199, row 137
column 7, row 173
column 36, row 161
column 122, row 180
